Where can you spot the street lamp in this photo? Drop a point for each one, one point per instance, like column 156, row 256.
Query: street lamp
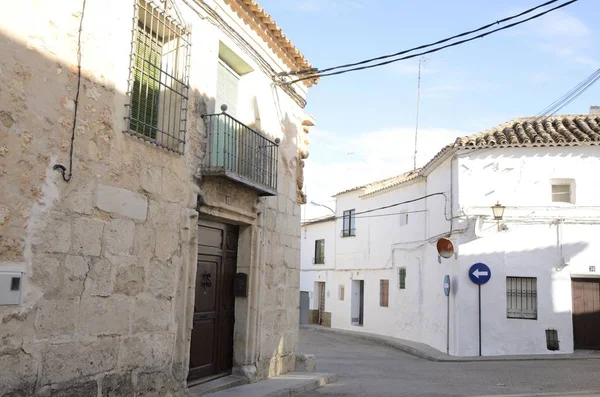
column 324, row 206
column 498, row 211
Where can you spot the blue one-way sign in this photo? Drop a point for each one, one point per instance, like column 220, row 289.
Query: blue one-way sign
column 480, row 273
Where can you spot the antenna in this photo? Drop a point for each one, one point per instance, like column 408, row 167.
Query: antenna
column 421, row 61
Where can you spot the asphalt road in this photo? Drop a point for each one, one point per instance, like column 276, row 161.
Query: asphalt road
column 367, row 368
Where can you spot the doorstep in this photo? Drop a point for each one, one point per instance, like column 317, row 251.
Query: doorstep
column 216, row 385
column 290, row 384
column 430, row 353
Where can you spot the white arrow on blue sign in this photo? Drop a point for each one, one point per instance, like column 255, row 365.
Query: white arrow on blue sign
column 480, row 273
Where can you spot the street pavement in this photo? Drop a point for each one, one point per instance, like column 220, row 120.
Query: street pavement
column 366, row 368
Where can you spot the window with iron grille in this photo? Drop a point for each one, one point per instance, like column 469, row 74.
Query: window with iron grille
column 384, row 293
column 158, row 79
column 319, row 252
column 349, row 227
column 402, row 278
column 521, row 297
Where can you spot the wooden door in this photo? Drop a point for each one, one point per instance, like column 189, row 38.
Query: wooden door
column 211, row 350
column 321, row 301
column 586, row 313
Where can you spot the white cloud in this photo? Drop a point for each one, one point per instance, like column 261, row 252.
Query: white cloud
column 376, row 155
column 560, row 24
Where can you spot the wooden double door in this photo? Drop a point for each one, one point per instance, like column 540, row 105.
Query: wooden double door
column 586, row 313
column 211, row 350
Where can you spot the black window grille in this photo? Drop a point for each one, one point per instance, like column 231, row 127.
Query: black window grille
column 158, row 79
column 521, row 297
column 349, row 227
column 552, row 342
column 319, row 252
column 402, row 278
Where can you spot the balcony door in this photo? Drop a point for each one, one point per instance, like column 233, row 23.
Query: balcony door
column 224, row 140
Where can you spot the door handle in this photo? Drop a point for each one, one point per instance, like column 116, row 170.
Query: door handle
column 206, row 282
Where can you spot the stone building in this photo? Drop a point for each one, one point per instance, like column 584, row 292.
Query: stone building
column 131, row 203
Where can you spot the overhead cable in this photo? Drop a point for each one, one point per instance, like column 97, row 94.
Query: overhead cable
column 319, row 73
column 570, row 96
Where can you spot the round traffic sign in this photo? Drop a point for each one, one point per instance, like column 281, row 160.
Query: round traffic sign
column 480, row 273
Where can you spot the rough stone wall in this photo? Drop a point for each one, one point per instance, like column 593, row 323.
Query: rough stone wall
column 103, row 255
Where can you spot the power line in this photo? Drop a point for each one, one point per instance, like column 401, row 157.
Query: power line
column 320, row 74
column 570, row 96
column 313, row 70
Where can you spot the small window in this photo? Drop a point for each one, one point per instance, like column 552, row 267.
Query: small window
column 341, row 292
column 402, row 278
column 158, row 80
column 563, row 191
column 319, row 252
column 349, row 225
column 521, row 297
column 403, row 219
column 384, row 293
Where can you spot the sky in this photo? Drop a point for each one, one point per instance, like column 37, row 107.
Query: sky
column 365, row 120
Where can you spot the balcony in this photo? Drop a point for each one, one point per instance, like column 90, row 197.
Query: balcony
column 239, row 153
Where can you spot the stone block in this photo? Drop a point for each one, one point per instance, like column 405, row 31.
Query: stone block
column 165, row 215
column 117, row 385
column 56, row 237
column 75, row 389
column 105, row 316
column 144, row 241
column 173, row 187
column 56, row 318
column 167, row 242
column 151, row 314
column 122, row 202
column 146, row 351
column 118, row 236
column 15, row 326
column 282, row 202
column 129, row 280
column 161, row 279
column 76, row 266
column 18, row 374
column 100, row 279
column 151, row 179
column 87, row 236
column 79, row 197
column 45, row 274
column 270, row 220
column 292, row 226
column 306, row 363
column 66, row 361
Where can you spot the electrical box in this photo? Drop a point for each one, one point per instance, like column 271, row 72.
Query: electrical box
column 240, row 285
column 11, row 285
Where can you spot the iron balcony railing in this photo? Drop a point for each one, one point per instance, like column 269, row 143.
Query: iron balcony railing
column 239, row 152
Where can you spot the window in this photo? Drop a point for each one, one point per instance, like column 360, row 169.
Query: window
column 349, row 226
column 563, row 191
column 402, row 278
column 384, row 293
column 521, row 297
column 319, row 252
column 403, row 219
column 158, row 80
column 341, row 292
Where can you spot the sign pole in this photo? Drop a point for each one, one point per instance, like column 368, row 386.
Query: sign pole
column 448, row 325
column 479, row 319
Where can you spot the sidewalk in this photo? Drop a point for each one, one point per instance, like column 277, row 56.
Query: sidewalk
column 427, row 352
column 288, row 385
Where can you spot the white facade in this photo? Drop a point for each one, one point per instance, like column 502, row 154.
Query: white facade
column 453, row 195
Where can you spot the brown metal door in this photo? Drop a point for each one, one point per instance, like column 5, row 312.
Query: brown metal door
column 321, row 302
column 586, row 313
column 211, row 350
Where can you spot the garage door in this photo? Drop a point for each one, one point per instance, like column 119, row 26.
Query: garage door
column 586, row 313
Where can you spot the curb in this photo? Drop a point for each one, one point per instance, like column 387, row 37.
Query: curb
column 414, row 351
column 295, row 391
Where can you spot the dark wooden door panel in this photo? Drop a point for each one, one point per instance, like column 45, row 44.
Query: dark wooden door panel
column 211, row 350
column 586, row 313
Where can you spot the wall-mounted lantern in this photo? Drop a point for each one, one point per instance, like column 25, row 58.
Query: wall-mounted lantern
column 498, row 211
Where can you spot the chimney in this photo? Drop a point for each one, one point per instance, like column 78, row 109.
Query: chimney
column 595, row 109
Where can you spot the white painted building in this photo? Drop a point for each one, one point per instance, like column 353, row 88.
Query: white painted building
column 543, row 254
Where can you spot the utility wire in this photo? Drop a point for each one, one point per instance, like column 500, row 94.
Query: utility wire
column 320, row 74
column 61, row 168
column 570, row 96
column 305, row 71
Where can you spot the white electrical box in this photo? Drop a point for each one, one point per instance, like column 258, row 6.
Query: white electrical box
column 11, row 285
